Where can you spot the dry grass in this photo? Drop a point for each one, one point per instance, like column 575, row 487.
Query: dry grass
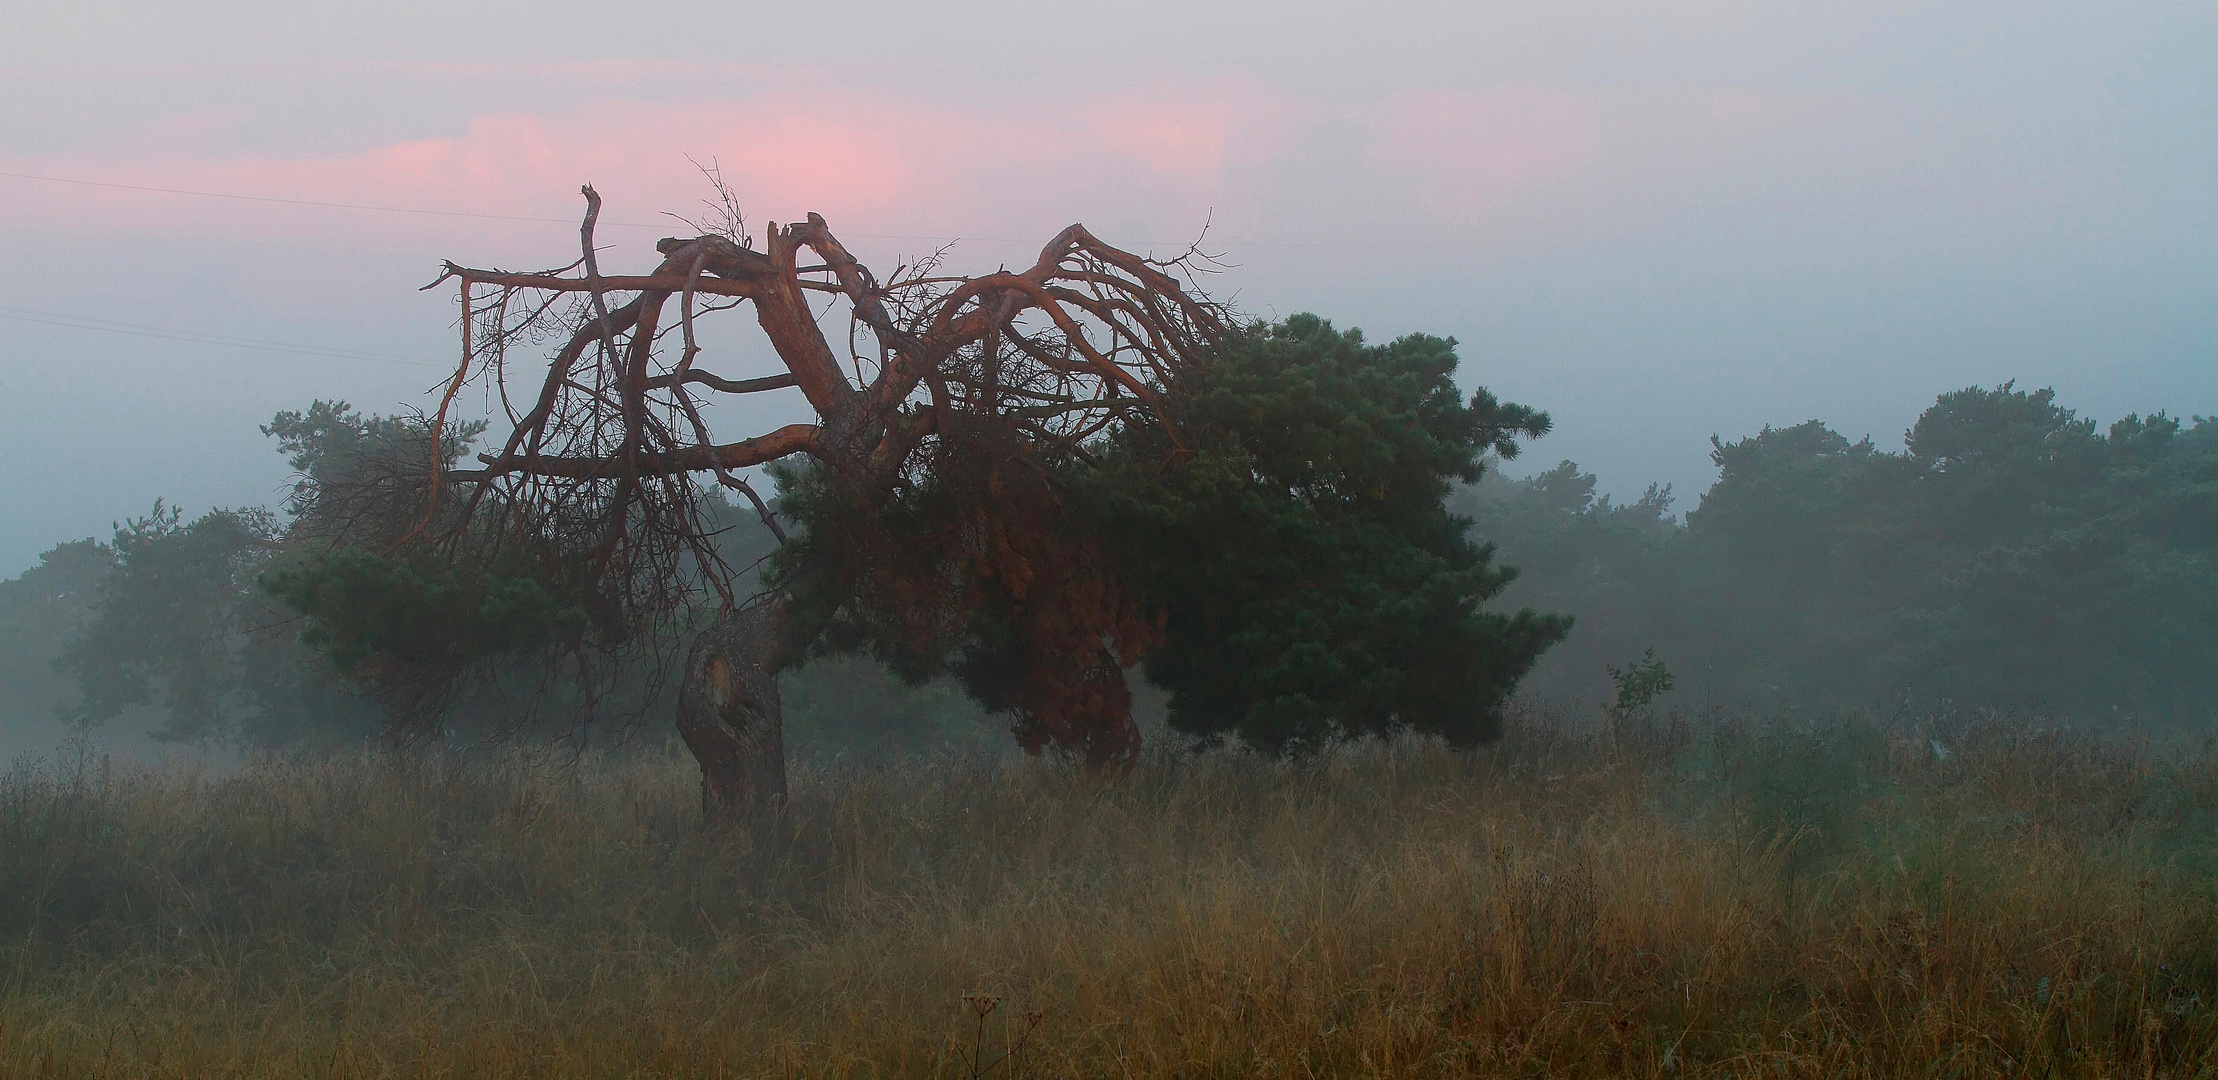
column 1741, row 902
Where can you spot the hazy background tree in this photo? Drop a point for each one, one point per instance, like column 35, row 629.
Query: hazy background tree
column 2012, row 555
column 40, row 610
column 179, row 617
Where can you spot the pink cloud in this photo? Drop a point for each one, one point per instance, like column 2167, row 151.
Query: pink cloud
column 1197, row 131
column 1469, row 152
column 893, row 170
column 876, row 161
column 1173, row 139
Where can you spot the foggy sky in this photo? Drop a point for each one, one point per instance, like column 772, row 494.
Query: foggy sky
column 1657, row 221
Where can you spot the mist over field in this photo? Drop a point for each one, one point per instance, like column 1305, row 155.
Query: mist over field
column 1412, row 539
column 1657, row 224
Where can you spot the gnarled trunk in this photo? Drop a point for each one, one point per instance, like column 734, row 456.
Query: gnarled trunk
column 729, row 714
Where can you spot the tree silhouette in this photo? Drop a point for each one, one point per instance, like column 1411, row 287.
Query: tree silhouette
column 974, row 388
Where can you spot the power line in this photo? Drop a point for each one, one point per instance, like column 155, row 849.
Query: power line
column 108, row 326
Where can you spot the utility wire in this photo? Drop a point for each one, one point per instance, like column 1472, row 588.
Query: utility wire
column 109, row 326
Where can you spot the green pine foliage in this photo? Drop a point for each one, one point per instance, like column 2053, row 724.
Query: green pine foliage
column 1312, row 583
column 365, row 607
column 1281, row 553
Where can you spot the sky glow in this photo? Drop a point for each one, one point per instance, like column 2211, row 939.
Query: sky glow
column 1658, row 222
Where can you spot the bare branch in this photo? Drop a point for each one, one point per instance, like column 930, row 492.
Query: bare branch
column 784, row 442
column 726, row 386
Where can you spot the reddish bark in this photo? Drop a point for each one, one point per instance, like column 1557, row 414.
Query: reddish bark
column 598, row 469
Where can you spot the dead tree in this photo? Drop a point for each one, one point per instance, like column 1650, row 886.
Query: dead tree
column 601, row 473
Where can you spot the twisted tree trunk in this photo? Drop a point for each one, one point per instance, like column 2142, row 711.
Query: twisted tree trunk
column 942, row 374
column 729, row 713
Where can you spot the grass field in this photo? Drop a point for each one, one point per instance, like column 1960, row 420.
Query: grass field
column 1938, row 898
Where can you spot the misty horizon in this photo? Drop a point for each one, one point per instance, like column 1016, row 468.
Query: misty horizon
column 1655, row 226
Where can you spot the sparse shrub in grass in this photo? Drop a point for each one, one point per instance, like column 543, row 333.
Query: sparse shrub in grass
column 1565, row 903
column 1638, row 684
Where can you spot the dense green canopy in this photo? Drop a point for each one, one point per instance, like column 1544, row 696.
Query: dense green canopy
column 1278, row 551
column 1311, row 582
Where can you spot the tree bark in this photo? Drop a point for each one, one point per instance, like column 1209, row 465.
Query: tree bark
column 730, row 717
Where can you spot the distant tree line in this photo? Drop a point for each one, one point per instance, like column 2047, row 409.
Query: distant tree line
column 2012, row 555
column 174, row 622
